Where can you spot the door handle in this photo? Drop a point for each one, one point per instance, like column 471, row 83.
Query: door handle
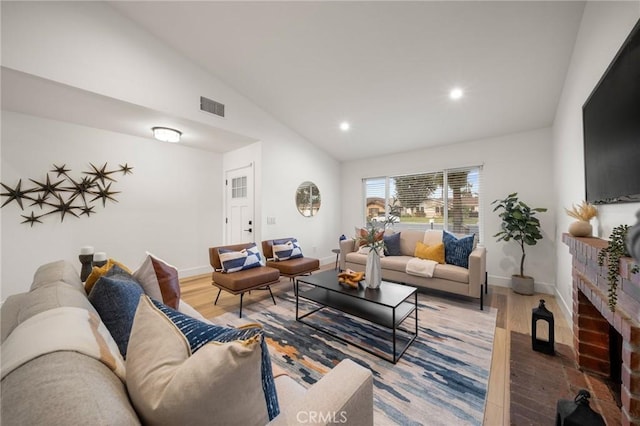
column 248, row 230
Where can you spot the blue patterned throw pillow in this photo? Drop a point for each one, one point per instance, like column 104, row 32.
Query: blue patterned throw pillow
column 234, row 261
column 392, row 244
column 115, row 296
column 457, row 250
column 199, row 333
column 286, row 249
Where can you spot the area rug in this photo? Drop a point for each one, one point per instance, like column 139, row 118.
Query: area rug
column 440, row 380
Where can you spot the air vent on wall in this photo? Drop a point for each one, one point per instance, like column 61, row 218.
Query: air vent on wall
column 211, row 106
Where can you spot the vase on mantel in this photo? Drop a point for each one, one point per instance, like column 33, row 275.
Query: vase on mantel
column 373, row 270
column 580, row 228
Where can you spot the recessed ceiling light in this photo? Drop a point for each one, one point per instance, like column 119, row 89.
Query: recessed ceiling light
column 456, row 93
column 345, row 126
column 165, row 134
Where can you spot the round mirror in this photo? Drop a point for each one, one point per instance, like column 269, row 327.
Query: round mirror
column 308, row 199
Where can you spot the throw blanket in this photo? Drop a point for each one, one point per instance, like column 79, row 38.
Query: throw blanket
column 420, row 267
column 61, row 329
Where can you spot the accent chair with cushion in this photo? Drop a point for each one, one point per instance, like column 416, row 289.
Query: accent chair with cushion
column 238, row 269
column 286, row 256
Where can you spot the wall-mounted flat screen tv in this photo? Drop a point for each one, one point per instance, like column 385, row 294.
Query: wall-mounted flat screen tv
column 611, row 124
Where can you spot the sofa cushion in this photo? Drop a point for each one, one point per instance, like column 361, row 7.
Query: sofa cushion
column 20, row 307
column 366, row 249
column 221, row 382
column 115, row 296
column 434, row 252
column 247, row 279
column 432, row 237
column 408, row 240
column 290, row 392
column 159, row 280
column 392, row 244
column 61, row 329
column 99, row 271
column 234, row 261
column 284, row 250
column 452, row 273
column 295, row 266
column 457, row 250
column 394, row 263
column 59, row 271
column 65, row 388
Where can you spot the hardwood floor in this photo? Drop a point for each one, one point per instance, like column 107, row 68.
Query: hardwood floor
column 514, row 314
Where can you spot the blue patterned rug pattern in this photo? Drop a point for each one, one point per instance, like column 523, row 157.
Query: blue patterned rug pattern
column 440, row 380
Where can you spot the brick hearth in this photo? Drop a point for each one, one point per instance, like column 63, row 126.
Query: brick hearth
column 592, row 317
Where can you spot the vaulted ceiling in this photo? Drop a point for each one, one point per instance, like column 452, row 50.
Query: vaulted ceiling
column 385, row 67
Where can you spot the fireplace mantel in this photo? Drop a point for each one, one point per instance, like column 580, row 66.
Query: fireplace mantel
column 591, row 309
column 585, row 261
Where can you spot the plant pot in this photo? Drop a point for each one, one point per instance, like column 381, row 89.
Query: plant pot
column 522, row 284
column 580, row 228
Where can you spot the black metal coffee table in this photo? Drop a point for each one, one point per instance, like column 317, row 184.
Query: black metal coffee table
column 388, row 306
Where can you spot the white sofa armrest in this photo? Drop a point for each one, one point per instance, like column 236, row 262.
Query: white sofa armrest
column 346, row 246
column 477, row 269
column 342, row 396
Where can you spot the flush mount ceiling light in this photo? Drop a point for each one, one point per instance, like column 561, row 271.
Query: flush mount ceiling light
column 165, row 134
column 345, row 126
column 456, row 93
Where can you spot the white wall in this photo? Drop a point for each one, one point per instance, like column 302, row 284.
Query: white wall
column 519, row 163
column 604, row 27
column 90, row 46
column 168, row 206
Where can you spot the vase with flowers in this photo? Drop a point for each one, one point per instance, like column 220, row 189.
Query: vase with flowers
column 372, row 237
column 583, row 214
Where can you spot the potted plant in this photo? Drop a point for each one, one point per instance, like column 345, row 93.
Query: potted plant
column 519, row 223
column 616, row 250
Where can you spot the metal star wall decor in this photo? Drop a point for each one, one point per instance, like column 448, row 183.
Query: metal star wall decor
column 64, row 194
column 16, row 194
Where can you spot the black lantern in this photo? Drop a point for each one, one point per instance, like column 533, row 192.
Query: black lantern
column 541, row 313
column 577, row 412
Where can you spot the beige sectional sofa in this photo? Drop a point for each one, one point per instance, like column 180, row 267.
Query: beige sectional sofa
column 66, row 387
column 454, row 279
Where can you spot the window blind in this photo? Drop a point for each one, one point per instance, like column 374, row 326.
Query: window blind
column 447, row 199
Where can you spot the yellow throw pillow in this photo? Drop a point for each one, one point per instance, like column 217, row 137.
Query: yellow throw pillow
column 97, row 272
column 435, row 252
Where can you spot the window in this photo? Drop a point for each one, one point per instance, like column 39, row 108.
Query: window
column 419, row 201
column 239, row 187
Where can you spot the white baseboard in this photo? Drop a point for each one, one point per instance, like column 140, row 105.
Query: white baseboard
column 566, row 311
column 539, row 287
column 328, row 260
column 191, row 272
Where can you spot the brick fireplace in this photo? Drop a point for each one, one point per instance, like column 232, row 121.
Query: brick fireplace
column 602, row 338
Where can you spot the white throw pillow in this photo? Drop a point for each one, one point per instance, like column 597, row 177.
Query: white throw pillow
column 220, row 383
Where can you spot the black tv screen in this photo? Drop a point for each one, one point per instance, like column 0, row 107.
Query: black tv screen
column 611, row 124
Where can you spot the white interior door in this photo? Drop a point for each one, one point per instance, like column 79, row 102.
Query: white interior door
column 239, row 202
